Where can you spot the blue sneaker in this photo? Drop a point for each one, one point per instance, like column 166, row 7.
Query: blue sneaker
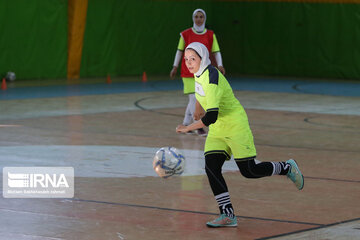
column 295, row 174
column 223, row 221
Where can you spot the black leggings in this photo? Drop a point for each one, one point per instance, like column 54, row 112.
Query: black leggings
column 248, row 168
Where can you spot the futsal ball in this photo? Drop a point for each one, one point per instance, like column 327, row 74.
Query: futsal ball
column 168, row 161
column 10, row 76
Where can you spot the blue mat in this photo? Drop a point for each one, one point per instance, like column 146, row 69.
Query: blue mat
column 250, row 84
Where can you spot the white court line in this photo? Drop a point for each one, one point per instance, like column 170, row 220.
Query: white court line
column 4, row 125
column 100, row 161
column 79, row 105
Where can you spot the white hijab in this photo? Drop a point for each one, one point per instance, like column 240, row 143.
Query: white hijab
column 203, row 53
column 197, row 28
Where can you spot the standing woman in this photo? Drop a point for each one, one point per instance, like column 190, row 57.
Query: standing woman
column 198, row 33
column 229, row 134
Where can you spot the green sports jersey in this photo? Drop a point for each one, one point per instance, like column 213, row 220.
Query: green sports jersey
column 214, row 93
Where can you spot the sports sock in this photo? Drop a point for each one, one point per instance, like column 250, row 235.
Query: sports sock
column 225, row 205
column 280, row 168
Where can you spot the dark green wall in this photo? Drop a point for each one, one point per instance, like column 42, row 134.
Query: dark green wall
column 291, row 39
column 131, row 36
column 33, row 40
column 262, row 38
column 127, row 37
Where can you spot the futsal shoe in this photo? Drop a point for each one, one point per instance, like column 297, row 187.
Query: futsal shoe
column 295, row 174
column 223, row 221
column 201, row 132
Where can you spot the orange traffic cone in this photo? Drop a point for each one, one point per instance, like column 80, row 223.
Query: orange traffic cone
column 144, row 77
column 108, row 79
column 3, row 84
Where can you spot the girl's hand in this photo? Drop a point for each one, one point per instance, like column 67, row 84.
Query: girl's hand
column 173, row 72
column 222, row 69
column 181, row 129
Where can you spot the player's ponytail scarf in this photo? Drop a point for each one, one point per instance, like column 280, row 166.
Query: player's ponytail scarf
column 203, row 52
column 197, row 28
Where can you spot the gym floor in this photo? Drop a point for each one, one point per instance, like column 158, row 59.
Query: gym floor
column 109, row 134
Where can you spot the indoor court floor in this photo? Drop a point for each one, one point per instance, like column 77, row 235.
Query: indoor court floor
column 109, row 134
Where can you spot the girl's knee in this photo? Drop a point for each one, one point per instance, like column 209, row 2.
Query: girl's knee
column 248, row 168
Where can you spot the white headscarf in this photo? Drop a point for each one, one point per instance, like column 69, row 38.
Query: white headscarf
column 196, row 27
column 203, row 53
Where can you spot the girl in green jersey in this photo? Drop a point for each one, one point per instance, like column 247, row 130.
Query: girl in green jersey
column 229, row 134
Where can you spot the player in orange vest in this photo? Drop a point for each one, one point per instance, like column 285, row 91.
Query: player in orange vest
column 197, row 33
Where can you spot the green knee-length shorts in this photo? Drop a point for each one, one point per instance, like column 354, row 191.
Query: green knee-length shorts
column 240, row 146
